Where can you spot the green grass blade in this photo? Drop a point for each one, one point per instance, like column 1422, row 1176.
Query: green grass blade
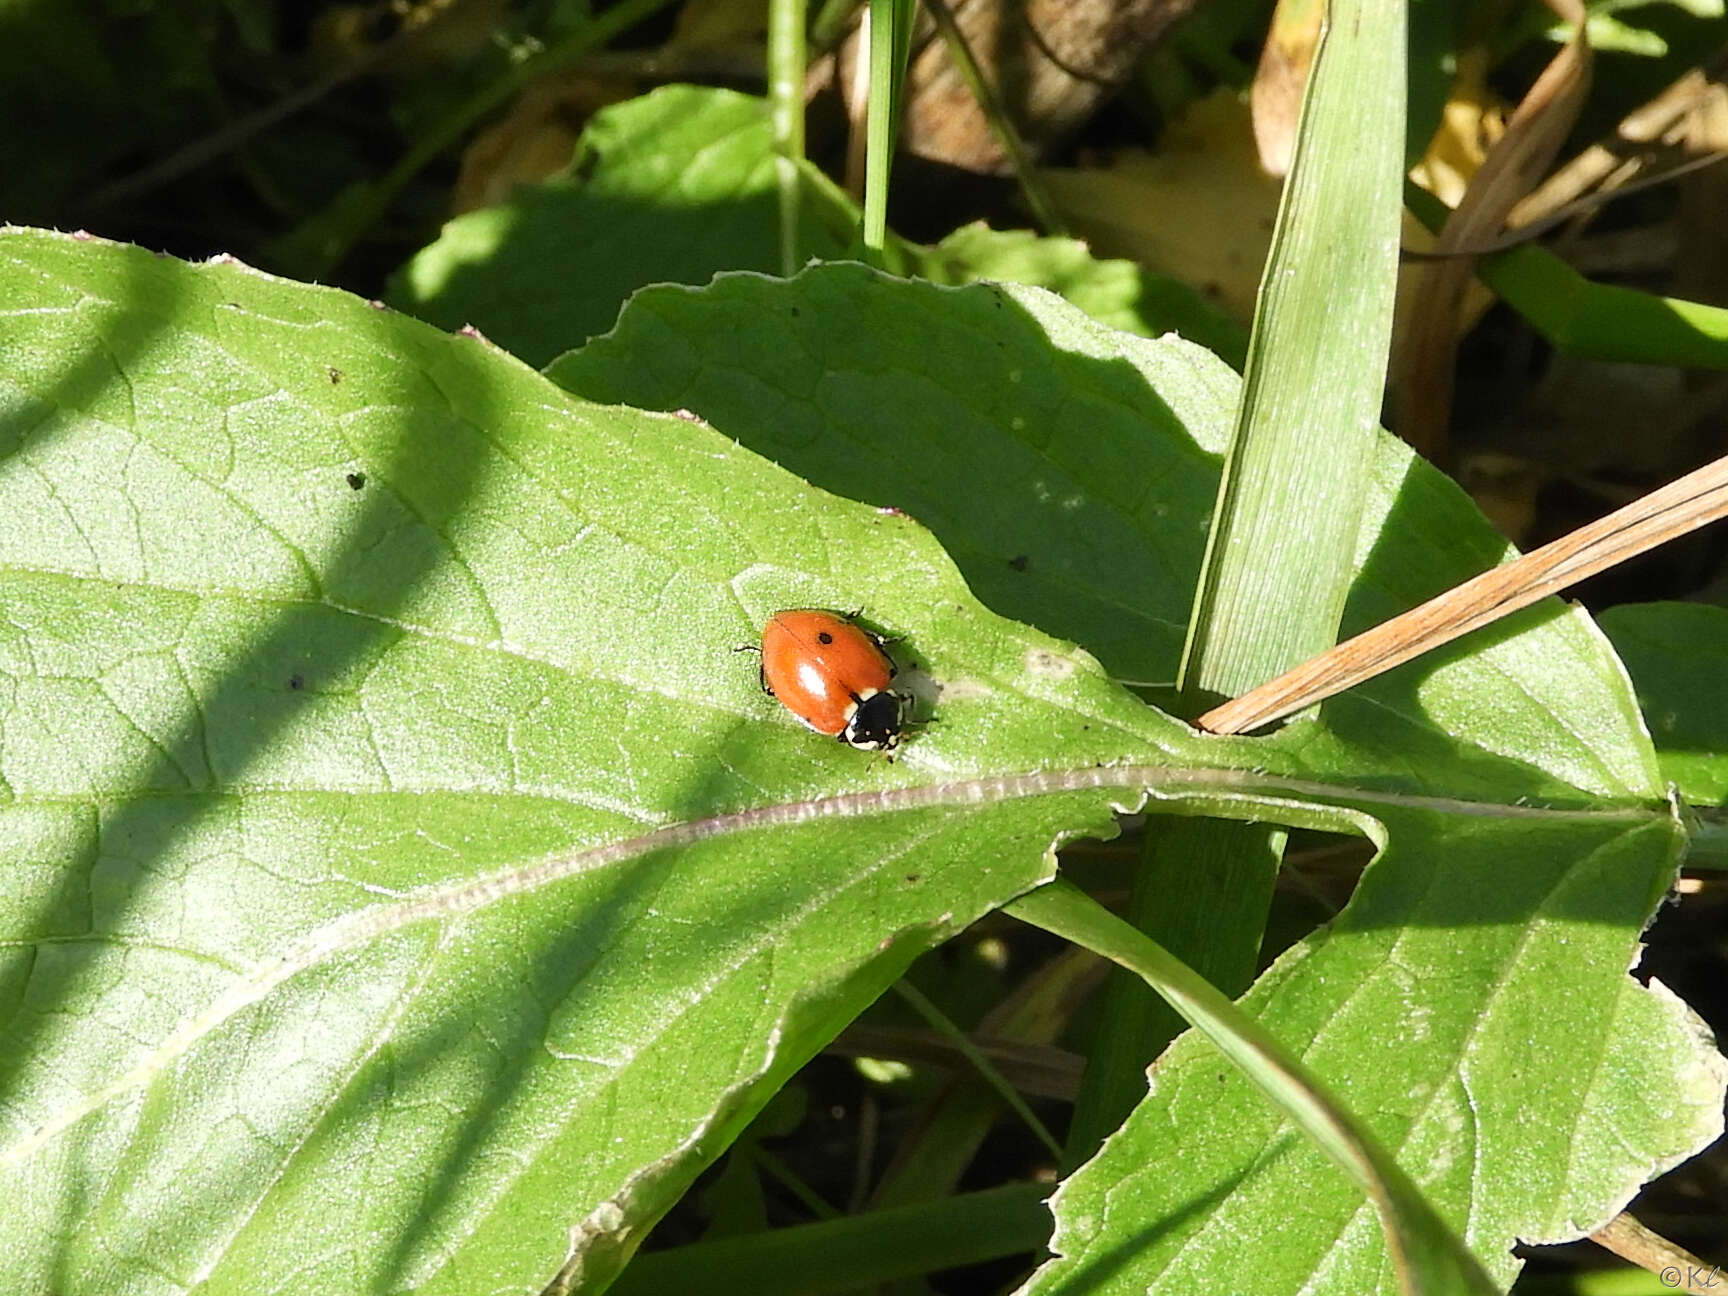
column 1278, row 567
column 1597, row 321
column 786, row 58
column 1032, row 189
column 940, row 1021
column 890, row 36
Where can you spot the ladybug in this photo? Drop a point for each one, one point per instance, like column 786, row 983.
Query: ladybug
column 834, row 676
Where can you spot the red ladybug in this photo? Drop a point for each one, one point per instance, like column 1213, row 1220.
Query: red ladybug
column 834, row 676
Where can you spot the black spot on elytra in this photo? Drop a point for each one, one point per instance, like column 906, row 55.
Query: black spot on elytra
column 823, row 637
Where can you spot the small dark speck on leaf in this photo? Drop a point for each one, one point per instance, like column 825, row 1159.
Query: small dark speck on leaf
column 296, row 681
column 356, row 480
column 913, row 877
column 795, row 312
column 335, row 374
column 1020, row 562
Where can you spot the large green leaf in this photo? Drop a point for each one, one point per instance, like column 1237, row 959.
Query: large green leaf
column 407, row 886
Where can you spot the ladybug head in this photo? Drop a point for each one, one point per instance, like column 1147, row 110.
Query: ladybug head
column 877, row 722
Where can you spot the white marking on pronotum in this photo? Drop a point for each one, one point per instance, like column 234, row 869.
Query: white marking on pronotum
column 455, row 899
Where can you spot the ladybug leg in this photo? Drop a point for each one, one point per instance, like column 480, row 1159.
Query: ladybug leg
column 883, row 643
column 761, row 671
